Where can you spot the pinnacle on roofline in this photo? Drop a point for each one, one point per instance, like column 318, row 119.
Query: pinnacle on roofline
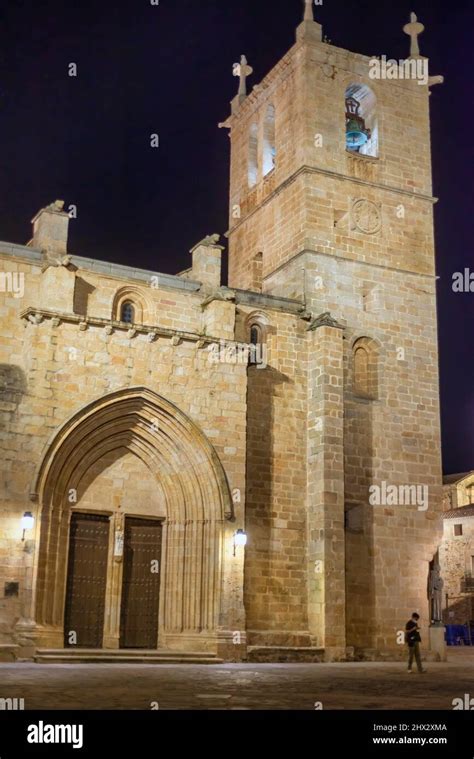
column 309, row 28
column 308, row 10
column 414, row 29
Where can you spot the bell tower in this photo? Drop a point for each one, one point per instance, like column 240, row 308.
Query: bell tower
column 300, row 181
column 331, row 204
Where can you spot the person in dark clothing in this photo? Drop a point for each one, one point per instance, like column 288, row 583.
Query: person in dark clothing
column 413, row 639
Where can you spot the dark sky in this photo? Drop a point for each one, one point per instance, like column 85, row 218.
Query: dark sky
column 168, row 69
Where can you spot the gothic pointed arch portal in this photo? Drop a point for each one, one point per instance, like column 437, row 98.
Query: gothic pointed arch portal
column 196, row 498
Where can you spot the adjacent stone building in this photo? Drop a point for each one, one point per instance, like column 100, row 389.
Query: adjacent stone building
column 457, row 549
column 151, row 420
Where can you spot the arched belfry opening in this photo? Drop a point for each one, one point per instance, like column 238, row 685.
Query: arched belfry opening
column 362, row 133
column 175, row 512
column 269, row 146
column 252, row 171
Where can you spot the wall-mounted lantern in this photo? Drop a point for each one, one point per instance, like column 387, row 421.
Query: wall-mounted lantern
column 240, row 539
column 27, row 522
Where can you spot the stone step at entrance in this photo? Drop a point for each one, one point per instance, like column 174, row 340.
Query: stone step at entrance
column 121, row 656
column 9, row 652
column 282, row 654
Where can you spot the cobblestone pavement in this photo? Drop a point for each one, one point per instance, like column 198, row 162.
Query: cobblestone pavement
column 368, row 685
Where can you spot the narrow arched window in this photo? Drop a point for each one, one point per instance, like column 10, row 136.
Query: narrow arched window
column 253, row 156
column 362, row 134
column 255, row 334
column 257, row 344
column 269, row 149
column 361, row 371
column 365, row 367
column 258, row 329
column 127, row 312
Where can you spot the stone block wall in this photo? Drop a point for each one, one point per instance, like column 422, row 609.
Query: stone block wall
column 276, row 500
column 392, row 437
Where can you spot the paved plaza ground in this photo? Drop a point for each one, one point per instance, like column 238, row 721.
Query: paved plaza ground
column 369, row 685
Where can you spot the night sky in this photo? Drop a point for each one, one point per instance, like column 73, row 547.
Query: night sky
column 168, row 69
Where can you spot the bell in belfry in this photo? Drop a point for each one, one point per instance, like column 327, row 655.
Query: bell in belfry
column 356, row 132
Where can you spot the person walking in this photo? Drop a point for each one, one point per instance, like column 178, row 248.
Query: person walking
column 413, row 639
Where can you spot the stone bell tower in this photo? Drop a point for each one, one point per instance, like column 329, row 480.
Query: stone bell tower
column 295, row 184
column 331, row 204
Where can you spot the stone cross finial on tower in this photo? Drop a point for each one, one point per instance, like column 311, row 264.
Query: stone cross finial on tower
column 414, row 29
column 308, row 10
column 309, row 28
column 242, row 70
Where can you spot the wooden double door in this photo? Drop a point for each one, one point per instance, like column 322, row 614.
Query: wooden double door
column 87, row 577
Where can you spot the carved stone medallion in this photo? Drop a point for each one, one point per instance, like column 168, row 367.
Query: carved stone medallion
column 366, row 216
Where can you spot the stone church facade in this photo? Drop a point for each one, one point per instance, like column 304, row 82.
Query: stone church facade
column 148, row 418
